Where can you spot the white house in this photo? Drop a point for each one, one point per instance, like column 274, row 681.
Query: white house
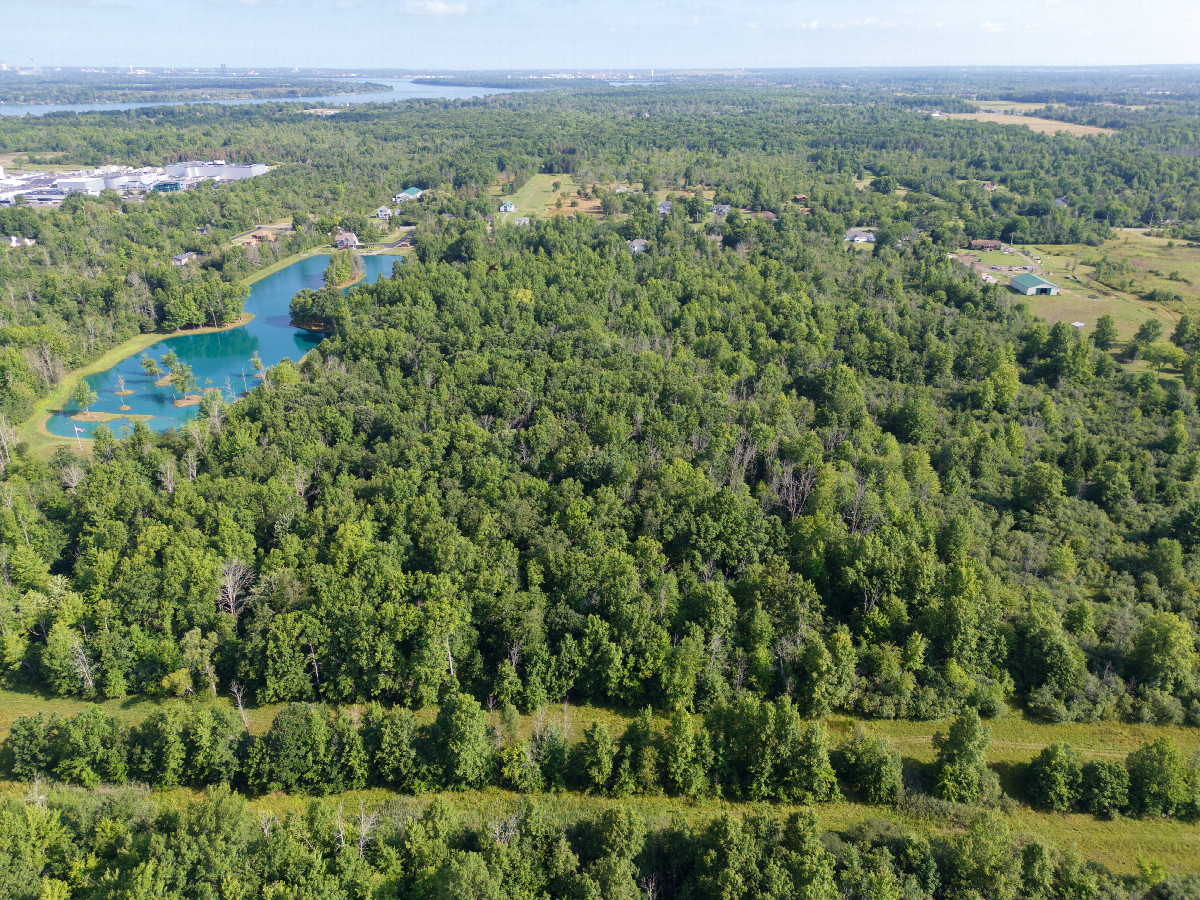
column 347, row 240
column 637, row 245
column 860, row 236
column 508, row 206
column 383, row 213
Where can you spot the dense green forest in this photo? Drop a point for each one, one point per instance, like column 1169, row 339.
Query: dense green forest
column 726, row 486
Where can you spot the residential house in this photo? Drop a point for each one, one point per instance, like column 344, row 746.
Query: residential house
column 347, row 240
column 637, row 245
column 407, row 194
column 182, row 259
column 987, row 245
column 860, row 236
column 383, row 213
column 524, row 220
column 721, row 210
column 508, row 206
column 665, row 207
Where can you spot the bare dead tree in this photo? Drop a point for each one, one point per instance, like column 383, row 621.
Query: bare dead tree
column 265, row 821
column 300, row 482
column 793, row 488
column 366, row 825
column 235, row 580
column 83, row 668
column 8, row 440
column 744, row 452
column 72, row 477
column 514, row 652
column 314, row 664
column 341, row 825
column 239, row 700
column 35, row 796
column 167, row 475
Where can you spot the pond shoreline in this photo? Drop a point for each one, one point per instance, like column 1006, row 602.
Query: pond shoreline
column 34, row 430
column 219, row 356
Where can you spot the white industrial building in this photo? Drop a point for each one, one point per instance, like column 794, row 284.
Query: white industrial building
column 214, row 168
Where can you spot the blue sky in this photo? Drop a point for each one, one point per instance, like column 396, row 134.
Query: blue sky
column 617, row 34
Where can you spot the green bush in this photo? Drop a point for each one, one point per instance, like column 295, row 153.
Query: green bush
column 1054, row 778
column 871, row 766
column 1104, row 788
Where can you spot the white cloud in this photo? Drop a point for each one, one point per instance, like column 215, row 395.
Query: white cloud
column 437, row 8
column 993, row 27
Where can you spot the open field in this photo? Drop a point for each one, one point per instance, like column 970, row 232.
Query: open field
column 1150, row 260
column 1041, row 126
column 1015, row 741
column 1007, row 106
column 536, row 197
column 19, row 161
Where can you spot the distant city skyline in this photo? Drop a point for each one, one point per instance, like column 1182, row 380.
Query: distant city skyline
column 595, row 34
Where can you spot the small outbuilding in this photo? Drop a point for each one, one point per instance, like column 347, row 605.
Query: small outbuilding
column 1033, row 286
column 182, row 259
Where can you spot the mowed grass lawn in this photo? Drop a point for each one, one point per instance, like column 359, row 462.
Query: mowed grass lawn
column 536, row 197
column 1015, row 741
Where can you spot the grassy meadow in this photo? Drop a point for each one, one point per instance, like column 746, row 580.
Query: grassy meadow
column 1151, row 261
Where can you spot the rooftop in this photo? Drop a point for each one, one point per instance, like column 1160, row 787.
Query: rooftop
column 1029, row 280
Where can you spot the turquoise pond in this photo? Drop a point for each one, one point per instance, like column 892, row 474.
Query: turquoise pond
column 220, row 359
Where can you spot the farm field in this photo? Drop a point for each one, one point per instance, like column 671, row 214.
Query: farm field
column 1041, row 126
column 1006, row 106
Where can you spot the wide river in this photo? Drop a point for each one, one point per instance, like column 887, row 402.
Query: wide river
column 401, row 89
column 219, row 359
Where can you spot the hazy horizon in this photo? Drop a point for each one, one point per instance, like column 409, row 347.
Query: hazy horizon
column 460, row 35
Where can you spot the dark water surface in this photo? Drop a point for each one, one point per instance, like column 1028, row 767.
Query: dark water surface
column 219, row 359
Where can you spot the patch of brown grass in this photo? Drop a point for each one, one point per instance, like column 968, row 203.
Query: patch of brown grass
column 1041, row 126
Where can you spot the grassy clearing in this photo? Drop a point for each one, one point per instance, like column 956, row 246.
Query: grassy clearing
column 1007, row 106
column 536, row 197
column 1151, row 261
column 1015, row 740
column 1041, row 126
